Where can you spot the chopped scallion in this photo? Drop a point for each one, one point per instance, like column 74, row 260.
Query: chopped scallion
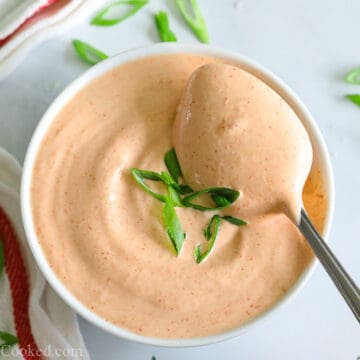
column 190, row 11
column 103, row 19
column 88, row 53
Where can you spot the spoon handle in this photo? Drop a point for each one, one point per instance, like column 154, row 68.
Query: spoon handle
column 340, row 277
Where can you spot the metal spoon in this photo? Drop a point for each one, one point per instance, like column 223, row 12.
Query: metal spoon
column 340, row 277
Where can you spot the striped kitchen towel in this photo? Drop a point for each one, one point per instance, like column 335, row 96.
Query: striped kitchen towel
column 26, row 23
column 34, row 322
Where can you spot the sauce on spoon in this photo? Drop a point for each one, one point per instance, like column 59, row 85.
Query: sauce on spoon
column 233, row 130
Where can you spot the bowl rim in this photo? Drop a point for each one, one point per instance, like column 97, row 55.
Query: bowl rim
column 105, row 66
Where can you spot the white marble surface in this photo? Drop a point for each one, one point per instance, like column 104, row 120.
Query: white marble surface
column 310, row 44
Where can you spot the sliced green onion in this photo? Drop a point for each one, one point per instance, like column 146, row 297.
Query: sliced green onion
column 88, row 53
column 184, row 189
column 234, row 220
column 190, row 11
column 162, row 25
column 211, row 233
column 173, row 226
column 172, row 164
column 221, row 196
column 141, row 175
column 2, row 258
column 167, row 178
column 228, row 194
column 174, row 196
column 354, row 98
column 8, row 340
column 179, row 188
column 220, row 200
column 101, row 18
column 353, row 76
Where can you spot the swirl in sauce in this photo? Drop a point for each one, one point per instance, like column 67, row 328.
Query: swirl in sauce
column 104, row 237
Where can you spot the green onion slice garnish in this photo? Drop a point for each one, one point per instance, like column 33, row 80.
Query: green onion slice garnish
column 8, row 340
column 211, row 233
column 162, row 25
column 184, row 189
column 174, row 196
column 221, row 196
column 220, row 200
column 228, row 195
column 234, row 220
column 172, row 164
column 190, row 11
column 353, row 76
column 354, row 98
column 88, row 53
column 141, row 175
column 173, row 226
column 103, row 19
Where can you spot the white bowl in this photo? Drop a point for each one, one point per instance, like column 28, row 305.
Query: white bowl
column 321, row 156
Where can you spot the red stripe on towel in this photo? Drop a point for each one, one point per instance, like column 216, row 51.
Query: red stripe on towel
column 19, row 287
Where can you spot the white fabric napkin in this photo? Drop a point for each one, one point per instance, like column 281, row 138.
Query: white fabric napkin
column 15, row 12
column 46, row 327
column 26, row 23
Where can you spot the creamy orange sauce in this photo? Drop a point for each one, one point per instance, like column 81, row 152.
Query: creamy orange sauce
column 104, row 237
column 233, row 130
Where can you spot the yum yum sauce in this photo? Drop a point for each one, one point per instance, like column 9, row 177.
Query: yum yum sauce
column 104, row 236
